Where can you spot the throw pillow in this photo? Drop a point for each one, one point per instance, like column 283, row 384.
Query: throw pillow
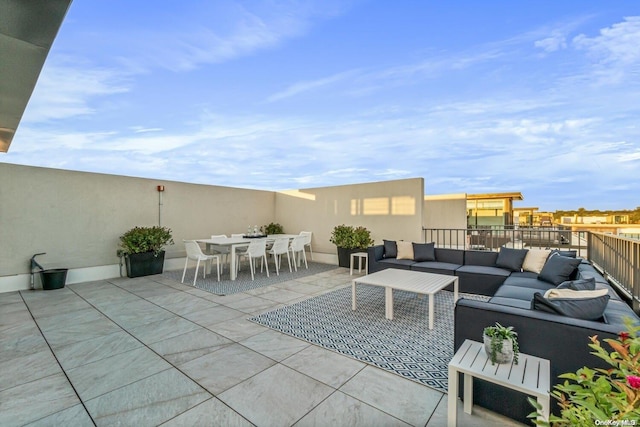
column 587, row 305
column 558, row 269
column 424, row 252
column 511, row 259
column 405, row 250
column 390, row 248
column 579, row 285
column 535, row 259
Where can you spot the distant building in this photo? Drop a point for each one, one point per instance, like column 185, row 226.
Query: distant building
column 491, row 209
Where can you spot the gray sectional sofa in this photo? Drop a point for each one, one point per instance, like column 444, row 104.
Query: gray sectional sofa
column 546, row 328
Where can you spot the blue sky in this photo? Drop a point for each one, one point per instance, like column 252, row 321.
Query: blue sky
column 541, row 97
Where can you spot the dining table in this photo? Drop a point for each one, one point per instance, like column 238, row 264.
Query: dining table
column 238, row 242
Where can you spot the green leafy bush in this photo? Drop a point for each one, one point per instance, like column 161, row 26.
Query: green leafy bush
column 601, row 396
column 350, row 237
column 145, row 239
column 272, row 228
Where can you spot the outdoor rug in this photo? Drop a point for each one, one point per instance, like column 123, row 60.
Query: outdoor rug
column 243, row 282
column 404, row 346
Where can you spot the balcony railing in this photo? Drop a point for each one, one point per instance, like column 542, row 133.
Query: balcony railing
column 618, row 258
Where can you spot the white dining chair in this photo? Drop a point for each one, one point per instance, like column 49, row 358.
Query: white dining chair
column 194, row 252
column 223, row 251
column 257, row 249
column 297, row 248
column 280, row 247
column 307, row 242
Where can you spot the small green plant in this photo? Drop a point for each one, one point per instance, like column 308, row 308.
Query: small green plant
column 272, row 228
column 498, row 334
column 350, row 237
column 145, row 239
column 601, row 396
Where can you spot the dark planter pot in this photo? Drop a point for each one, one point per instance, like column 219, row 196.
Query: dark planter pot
column 344, row 256
column 144, row 264
column 53, row 278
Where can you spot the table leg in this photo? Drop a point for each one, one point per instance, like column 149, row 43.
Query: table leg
column 232, row 264
column 353, row 295
column 388, row 302
column 468, row 393
column 452, row 398
column 455, row 290
column 431, row 296
column 351, row 265
column 544, row 403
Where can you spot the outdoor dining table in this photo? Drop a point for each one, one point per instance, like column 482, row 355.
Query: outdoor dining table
column 239, row 242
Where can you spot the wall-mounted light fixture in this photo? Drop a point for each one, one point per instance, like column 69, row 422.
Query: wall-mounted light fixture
column 160, row 189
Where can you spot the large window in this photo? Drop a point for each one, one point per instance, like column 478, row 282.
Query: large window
column 485, row 213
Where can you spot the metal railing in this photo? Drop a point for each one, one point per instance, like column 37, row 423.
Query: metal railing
column 619, row 260
column 492, row 238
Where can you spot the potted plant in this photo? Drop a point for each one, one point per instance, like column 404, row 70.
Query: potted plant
column 501, row 343
column 349, row 239
column 143, row 249
column 272, row 228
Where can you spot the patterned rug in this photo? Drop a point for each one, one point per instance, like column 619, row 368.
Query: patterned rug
column 404, row 346
column 243, row 282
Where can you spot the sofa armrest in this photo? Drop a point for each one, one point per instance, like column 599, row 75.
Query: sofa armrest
column 375, row 254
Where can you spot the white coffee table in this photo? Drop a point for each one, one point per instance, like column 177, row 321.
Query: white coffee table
column 406, row 280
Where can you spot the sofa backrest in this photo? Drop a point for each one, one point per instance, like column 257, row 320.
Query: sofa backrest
column 483, row 258
column 453, row 256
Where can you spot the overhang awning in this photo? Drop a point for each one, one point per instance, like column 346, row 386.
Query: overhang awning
column 27, row 31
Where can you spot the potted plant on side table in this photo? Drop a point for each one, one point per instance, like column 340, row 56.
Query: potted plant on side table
column 143, row 250
column 501, row 343
column 350, row 239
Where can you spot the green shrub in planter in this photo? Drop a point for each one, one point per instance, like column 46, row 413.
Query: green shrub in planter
column 272, row 228
column 350, row 239
column 143, row 249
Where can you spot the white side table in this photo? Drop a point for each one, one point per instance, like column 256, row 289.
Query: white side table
column 360, row 256
column 530, row 376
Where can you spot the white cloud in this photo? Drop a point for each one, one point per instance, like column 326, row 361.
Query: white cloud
column 556, row 41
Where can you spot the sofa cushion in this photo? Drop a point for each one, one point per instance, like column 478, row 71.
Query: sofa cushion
column 405, row 250
column 404, row 264
column 451, row 256
column 517, row 292
column 390, row 248
column 558, row 268
column 485, row 258
column 436, row 267
column 483, row 270
column 511, row 302
column 535, row 260
column 579, row 284
column 510, row 258
column 424, row 252
column 588, row 305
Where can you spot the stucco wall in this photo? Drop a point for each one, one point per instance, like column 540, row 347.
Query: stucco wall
column 389, row 209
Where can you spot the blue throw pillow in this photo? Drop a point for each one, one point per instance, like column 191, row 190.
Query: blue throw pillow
column 390, row 248
column 424, row 252
column 558, row 269
column 580, row 308
column 511, row 259
column 579, row 285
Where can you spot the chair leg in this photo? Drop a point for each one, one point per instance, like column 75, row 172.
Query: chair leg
column 266, row 266
column 218, row 267
column 304, row 256
column 295, row 264
column 195, row 276
column 311, row 251
column 251, row 267
column 185, row 269
column 289, row 261
column 276, row 259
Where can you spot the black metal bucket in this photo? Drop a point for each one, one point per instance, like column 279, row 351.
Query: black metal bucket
column 54, row 278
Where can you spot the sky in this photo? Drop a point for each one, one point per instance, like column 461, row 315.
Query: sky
column 540, row 97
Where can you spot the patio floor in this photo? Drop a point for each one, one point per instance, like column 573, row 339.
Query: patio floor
column 151, row 351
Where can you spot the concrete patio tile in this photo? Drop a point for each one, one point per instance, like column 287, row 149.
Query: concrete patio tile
column 225, row 368
column 213, row 315
column 237, row 329
column 67, row 303
column 251, row 304
column 65, row 319
column 324, row 365
column 406, row 400
column 163, row 329
column 13, row 314
column 75, row 416
column 275, row 345
column 30, row 367
column 76, row 332
column 481, row 417
column 136, row 313
column 41, row 398
column 10, row 298
column 189, row 346
column 100, row 377
column 148, row 402
column 342, row 410
column 209, row 413
column 226, row 299
column 21, row 340
column 187, row 304
column 77, row 354
column 282, row 295
column 279, row 396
